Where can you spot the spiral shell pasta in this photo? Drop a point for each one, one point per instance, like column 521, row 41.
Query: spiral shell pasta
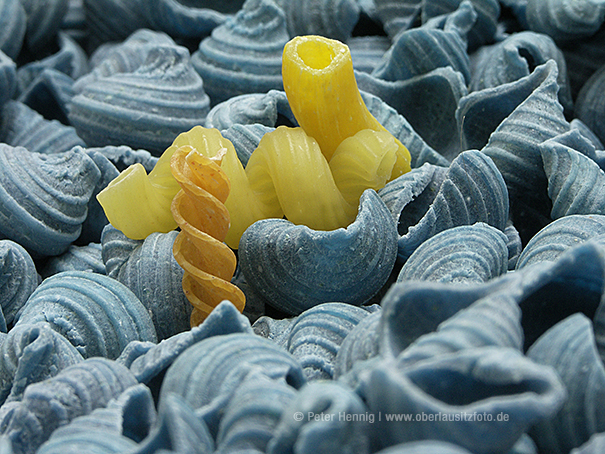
column 200, row 212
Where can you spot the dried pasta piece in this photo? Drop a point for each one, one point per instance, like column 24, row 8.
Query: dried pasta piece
column 321, row 88
column 199, row 210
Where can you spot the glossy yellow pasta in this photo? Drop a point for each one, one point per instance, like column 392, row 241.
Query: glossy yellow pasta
column 289, row 172
column 138, row 204
column 320, row 85
column 199, row 210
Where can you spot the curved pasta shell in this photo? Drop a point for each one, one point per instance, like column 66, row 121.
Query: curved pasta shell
column 397, row 15
column 471, row 190
column 575, row 182
column 18, row 279
column 250, row 109
column 420, row 50
column 98, row 314
column 464, row 254
column 43, row 22
column 8, row 78
column 199, row 210
column 321, row 88
column 485, row 380
column 77, row 390
column 332, row 19
column 514, row 58
column 565, row 20
column 329, row 399
column 316, row 335
column 216, row 367
column 570, row 348
column 76, row 258
column 243, row 55
column 22, row 126
column 112, row 20
column 589, row 107
column 296, row 268
column 145, row 107
column 360, row 344
column 253, row 413
column 44, row 198
column 31, row 353
column 111, row 429
column 485, row 27
column 514, row 147
column 13, row 22
column 558, row 236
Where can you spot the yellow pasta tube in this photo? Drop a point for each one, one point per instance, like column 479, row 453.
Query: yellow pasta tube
column 322, row 91
column 199, row 210
column 138, row 204
column 289, row 169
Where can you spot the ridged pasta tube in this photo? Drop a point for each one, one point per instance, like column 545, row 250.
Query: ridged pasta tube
column 322, row 91
column 199, row 210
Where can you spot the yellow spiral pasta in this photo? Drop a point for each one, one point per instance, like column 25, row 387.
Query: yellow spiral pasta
column 322, row 91
column 200, row 212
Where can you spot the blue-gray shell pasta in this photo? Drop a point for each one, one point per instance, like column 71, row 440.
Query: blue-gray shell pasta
column 415, row 308
column 123, row 157
column 594, row 445
column 18, row 278
column 277, row 330
column 576, row 183
column 463, row 254
column 295, row 267
column 249, row 109
column 367, row 51
column 360, row 344
column 324, row 416
column 494, row 321
column 98, row 314
column 13, row 22
column 32, row 353
column 112, row 429
column 76, row 258
column 243, row 55
column 69, row 59
column 252, row 414
column 424, row 447
column 489, row 381
column 49, row 94
column 397, row 15
column 571, row 349
column 8, row 78
column 428, row 102
column 589, row 105
column 147, row 361
column 149, row 270
column 565, row 20
column 178, row 429
column 21, row 126
column 316, row 334
column 420, row 50
column 216, row 366
column 427, row 200
column 44, row 198
column 514, row 148
column 558, row 236
column 145, row 108
column 329, row 18
column 514, row 245
column 485, row 27
column 77, row 390
column 43, row 21
column 112, row 20
column 188, row 19
column 514, row 58
column 578, row 124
